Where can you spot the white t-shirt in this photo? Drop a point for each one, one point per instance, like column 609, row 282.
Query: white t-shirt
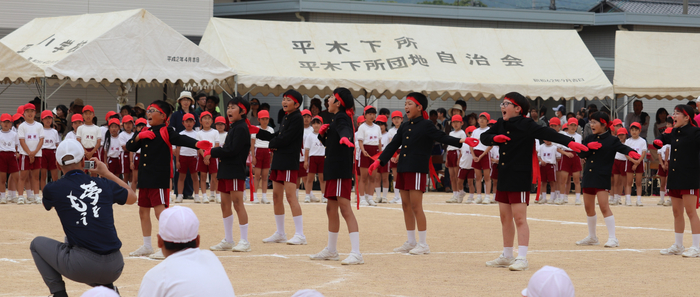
column 307, row 131
column 259, row 143
column 477, row 134
column 124, row 137
column 664, row 149
column 115, row 147
column 211, row 135
column 619, row 156
column 639, row 144
column 103, row 132
column 386, row 138
column 458, row 134
column 577, row 137
column 51, row 139
column 314, row 145
column 548, row 153
column 465, row 161
column 493, row 154
column 32, row 134
column 88, row 135
column 369, row 135
column 222, row 138
column 186, row 151
column 8, row 141
column 191, row 272
column 69, row 135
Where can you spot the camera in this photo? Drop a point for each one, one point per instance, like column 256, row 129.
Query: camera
column 89, row 165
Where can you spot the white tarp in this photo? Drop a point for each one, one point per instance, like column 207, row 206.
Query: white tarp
column 123, row 46
column 657, row 64
column 15, row 68
column 393, row 59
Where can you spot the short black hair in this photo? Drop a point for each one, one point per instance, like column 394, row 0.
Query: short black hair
column 167, row 108
column 176, row 247
column 294, row 94
column 461, row 103
column 691, row 102
column 238, row 99
column 543, row 111
column 265, row 106
column 441, row 111
column 347, row 98
column 200, row 95
column 519, row 100
column 213, row 98
column 384, row 111
column 433, row 112
column 601, row 117
column 371, row 110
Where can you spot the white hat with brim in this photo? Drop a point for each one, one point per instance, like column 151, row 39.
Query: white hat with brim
column 549, row 282
column 178, row 224
column 70, row 147
column 457, row 107
column 100, row 291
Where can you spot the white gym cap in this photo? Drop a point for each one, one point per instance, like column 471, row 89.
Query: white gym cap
column 100, row 291
column 549, row 282
column 70, row 147
column 178, row 224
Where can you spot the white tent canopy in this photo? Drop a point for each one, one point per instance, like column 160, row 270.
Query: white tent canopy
column 16, row 68
column 125, row 46
column 657, row 65
column 393, row 60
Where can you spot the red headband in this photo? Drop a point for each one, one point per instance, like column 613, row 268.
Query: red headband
column 158, row 108
column 337, row 97
column 295, row 99
column 516, row 104
column 241, row 106
column 425, row 114
column 692, row 123
column 608, row 125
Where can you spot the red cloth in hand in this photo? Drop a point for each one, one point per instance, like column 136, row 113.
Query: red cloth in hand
column 346, row 142
column 373, row 167
column 205, row 146
column 470, row 141
column 577, row 147
column 253, row 129
column 501, row 138
column 594, row 145
column 148, row 134
column 323, row 129
column 634, row 155
column 658, row 143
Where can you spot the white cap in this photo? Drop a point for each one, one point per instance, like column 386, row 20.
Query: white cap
column 178, row 224
column 560, row 106
column 70, row 147
column 549, row 282
column 185, row 94
column 100, row 291
column 307, row 293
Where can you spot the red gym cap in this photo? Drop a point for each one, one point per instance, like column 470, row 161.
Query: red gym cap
column 206, row 113
column 492, row 121
column 360, row 119
column 46, row 113
column 29, row 106
column 127, row 118
column 321, row 119
column 20, row 109
column 188, row 116
column 113, row 121
column 5, row 117
column 141, row 121
column 470, row 129
column 305, row 112
column 16, row 117
column 456, row 118
column 485, row 114
column 621, row 131
column 635, row 124
column 221, row 120
column 76, row 117
column 88, row 108
column 109, row 114
column 263, row 114
column 381, row 118
column 554, row 121
column 668, row 130
column 397, row 113
column 368, row 107
column 616, row 122
column 572, row 121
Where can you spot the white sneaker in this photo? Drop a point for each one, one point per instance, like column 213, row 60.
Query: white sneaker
column 324, row 200
column 222, row 246
column 551, row 200
column 559, row 201
column 578, row 202
column 212, row 198
column 486, row 201
column 668, row 203
column 325, row 254
column 460, row 196
column 406, row 247
column 256, row 198
column 611, row 200
column 38, row 200
column 469, row 200
column 692, row 252
column 420, row 249
column 673, row 250
column 314, row 199
column 263, row 200
column 242, row 246
column 519, row 264
column 178, row 199
column 218, row 199
column 612, row 242
column 3, row 200
column 396, row 200
column 588, row 241
column 628, row 203
column 297, row 240
column 501, row 261
column 363, row 202
column 353, row 259
column 307, row 199
column 157, row 255
column 205, row 200
column 371, row 202
column 639, row 203
column 477, row 200
column 197, row 200
column 20, row 200
column 454, row 199
column 661, row 202
column 276, row 238
column 142, row 251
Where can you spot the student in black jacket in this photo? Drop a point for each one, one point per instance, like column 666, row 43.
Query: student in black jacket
column 338, row 138
column 597, row 173
column 232, row 157
column 286, row 144
column 683, row 177
column 415, row 138
column 515, row 136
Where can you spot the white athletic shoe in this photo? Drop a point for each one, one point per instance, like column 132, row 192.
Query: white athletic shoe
column 552, row 200
column 469, row 200
column 611, row 200
column 264, row 200
column 325, row 254
column 363, row 202
column 668, row 203
column 307, row 199
column 519, row 264
column 276, row 238
column 541, row 201
column 142, row 251
column 314, row 199
column 218, row 199
column 628, row 203
column 256, row 198
column 420, row 249
column 639, row 203
column 205, row 200
column 673, row 250
column 20, row 200
column 661, row 202
column 197, row 200
column 578, row 202
column 178, row 199
column 222, row 246
column 297, row 240
column 212, row 198
column 477, row 200
column 612, row 242
column 501, row 262
column 38, row 200
column 353, row 259
column 3, row 200
column 396, row 200
column 324, row 200
column 242, row 246
column 559, row 201
column 371, row 201
column 486, row 201
column 588, row 241
column 691, row 252
column 461, row 196
column 157, row 255
column 406, row 247
column 454, row 199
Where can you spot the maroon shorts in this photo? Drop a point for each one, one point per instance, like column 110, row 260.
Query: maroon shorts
column 302, row 171
column 640, row 168
column 154, row 197
column 95, row 155
column 411, row 181
column 231, row 185
column 126, row 164
column 366, row 161
column 341, row 187
column 383, row 169
column 513, row 197
column 263, row 157
column 619, row 167
column 357, row 165
column 188, row 164
column 284, row 176
column 548, row 173
column 661, row 172
column 136, row 161
column 212, row 168
column 452, row 158
column 494, row 171
column 483, row 164
column 680, row 193
column 25, row 165
column 465, row 173
column 8, row 162
column 48, row 157
column 570, row 165
column 393, row 165
column 316, row 164
column 114, row 165
column 592, row 191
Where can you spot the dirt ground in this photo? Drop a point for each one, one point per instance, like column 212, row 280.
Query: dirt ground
column 461, row 238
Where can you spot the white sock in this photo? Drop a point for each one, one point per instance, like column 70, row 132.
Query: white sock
column 544, row 196
column 481, row 196
column 30, row 194
column 244, row 231
column 378, row 192
column 255, row 197
column 264, row 195
column 461, row 191
column 578, row 196
column 218, row 195
column 522, row 251
column 555, row 196
column 396, row 191
column 384, row 192
column 616, row 197
column 2, row 195
column 299, row 225
column 228, row 229
column 147, row 242
column 201, row 197
column 279, row 220
column 663, row 194
column 591, row 226
column 610, row 223
column 421, row 236
column 471, row 195
column 411, row 236
column 508, row 252
column 354, row 242
column 696, row 241
column 179, row 196
column 629, row 198
column 679, row 239
column 332, row 241
column 488, row 196
column 639, row 198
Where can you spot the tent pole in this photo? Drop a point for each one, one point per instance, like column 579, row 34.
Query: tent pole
column 235, row 84
column 5, row 89
column 65, row 81
column 43, row 93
